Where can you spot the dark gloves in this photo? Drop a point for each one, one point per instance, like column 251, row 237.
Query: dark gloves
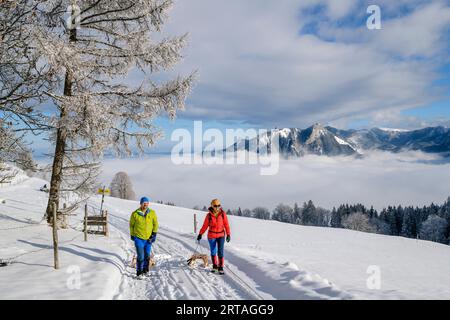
column 152, row 237
column 132, row 238
column 228, row 238
column 199, row 237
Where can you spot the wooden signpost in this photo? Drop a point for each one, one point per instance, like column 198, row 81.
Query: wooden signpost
column 103, row 191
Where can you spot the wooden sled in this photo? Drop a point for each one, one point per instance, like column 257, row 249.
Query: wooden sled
column 151, row 263
column 198, row 256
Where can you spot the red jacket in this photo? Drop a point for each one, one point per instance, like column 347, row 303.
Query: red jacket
column 217, row 225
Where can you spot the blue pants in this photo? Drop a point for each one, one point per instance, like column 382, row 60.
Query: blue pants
column 215, row 244
column 143, row 249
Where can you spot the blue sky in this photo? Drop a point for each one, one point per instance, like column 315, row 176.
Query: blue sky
column 291, row 63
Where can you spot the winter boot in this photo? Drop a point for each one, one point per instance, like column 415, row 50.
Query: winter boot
column 221, row 263
column 215, row 266
column 138, row 273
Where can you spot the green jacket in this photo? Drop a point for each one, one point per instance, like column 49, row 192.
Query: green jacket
column 143, row 224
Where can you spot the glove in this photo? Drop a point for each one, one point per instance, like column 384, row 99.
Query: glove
column 199, row 237
column 132, row 238
column 228, row 238
column 152, row 237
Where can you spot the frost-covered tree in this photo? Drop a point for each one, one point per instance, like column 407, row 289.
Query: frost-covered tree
column 122, row 187
column 7, row 173
column 434, row 229
column 246, row 213
column 336, row 218
column 445, row 214
column 21, row 79
column 309, row 216
column 21, row 76
column 357, row 221
column 380, row 226
column 297, row 214
column 409, row 226
column 6, row 140
column 283, row 213
column 372, row 213
column 89, row 48
column 390, row 218
column 323, row 217
column 13, row 150
column 261, row 213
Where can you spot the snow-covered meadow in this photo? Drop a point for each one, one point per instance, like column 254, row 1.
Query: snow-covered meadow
column 264, row 260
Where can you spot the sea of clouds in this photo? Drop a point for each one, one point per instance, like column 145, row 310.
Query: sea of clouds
column 379, row 179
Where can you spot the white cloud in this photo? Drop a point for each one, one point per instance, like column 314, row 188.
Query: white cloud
column 418, row 34
column 339, row 9
column 255, row 66
column 381, row 179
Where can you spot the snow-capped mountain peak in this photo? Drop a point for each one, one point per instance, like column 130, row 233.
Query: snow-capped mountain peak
column 294, row 142
column 394, row 130
column 316, row 133
column 284, row 132
column 329, row 141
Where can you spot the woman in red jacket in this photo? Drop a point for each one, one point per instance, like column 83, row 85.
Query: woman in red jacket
column 217, row 222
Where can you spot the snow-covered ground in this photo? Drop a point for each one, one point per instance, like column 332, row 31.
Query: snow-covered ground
column 264, row 260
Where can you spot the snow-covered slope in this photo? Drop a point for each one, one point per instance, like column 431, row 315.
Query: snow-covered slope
column 264, row 260
column 26, row 241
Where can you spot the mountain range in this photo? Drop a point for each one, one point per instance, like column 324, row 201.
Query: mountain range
column 329, row 141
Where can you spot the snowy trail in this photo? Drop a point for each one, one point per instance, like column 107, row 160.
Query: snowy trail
column 171, row 278
column 254, row 280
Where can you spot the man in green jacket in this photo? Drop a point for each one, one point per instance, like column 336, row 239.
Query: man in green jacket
column 143, row 229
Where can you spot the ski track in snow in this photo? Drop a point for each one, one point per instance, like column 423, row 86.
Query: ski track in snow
column 172, row 278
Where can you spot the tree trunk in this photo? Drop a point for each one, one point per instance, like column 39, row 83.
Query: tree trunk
column 58, row 159
column 61, row 136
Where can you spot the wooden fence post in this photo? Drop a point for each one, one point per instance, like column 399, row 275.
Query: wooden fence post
column 195, row 223
column 106, row 225
column 85, row 221
column 55, row 238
